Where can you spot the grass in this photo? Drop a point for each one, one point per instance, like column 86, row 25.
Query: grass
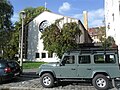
column 32, row 65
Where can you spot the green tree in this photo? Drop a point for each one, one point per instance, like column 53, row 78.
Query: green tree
column 6, row 12
column 108, row 42
column 60, row 40
column 12, row 45
column 31, row 13
column 101, row 34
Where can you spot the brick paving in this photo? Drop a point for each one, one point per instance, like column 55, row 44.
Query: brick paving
column 30, row 81
column 34, row 84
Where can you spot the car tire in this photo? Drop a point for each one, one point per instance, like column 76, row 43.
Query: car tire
column 100, row 82
column 47, row 80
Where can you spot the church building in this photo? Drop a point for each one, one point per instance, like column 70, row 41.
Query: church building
column 33, row 46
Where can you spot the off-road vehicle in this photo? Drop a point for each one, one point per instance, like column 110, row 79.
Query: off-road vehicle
column 99, row 65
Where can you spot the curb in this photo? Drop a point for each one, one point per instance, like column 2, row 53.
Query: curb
column 29, row 88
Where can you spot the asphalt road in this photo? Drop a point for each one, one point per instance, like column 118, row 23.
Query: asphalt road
column 30, row 81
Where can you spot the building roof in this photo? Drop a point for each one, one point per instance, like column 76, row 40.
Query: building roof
column 49, row 13
column 92, row 31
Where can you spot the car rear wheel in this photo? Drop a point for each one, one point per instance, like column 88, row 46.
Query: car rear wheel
column 47, row 80
column 100, row 82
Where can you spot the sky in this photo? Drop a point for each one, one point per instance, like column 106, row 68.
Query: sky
column 71, row 8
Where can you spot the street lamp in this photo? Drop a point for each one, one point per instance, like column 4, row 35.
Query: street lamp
column 22, row 15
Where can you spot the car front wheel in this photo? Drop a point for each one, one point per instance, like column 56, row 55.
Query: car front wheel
column 100, row 82
column 47, row 80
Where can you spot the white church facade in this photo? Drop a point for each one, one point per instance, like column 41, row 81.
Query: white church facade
column 34, row 48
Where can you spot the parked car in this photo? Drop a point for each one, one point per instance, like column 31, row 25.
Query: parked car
column 15, row 67
column 98, row 65
column 5, row 71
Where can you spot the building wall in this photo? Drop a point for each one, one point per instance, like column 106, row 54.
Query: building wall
column 35, row 46
column 97, row 34
column 110, row 15
column 112, row 20
column 84, row 37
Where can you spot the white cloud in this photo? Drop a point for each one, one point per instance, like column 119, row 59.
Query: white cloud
column 15, row 17
column 96, row 23
column 95, row 17
column 79, row 16
column 65, row 7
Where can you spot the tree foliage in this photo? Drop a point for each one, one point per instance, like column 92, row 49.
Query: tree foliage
column 102, row 34
column 31, row 13
column 11, row 47
column 60, row 40
column 108, row 42
column 11, row 44
column 6, row 12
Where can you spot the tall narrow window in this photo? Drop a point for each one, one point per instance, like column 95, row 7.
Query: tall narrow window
column 37, row 55
column 113, row 16
column 108, row 26
column 43, row 55
column 119, row 7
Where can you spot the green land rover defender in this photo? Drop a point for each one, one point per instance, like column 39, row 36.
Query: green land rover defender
column 99, row 65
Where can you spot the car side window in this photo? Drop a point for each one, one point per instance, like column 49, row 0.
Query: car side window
column 109, row 58
column 69, row 60
column 84, row 59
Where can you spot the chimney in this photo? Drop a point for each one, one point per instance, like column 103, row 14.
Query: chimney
column 85, row 19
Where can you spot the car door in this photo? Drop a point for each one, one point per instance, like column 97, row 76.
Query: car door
column 84, row 69
column 68, row 69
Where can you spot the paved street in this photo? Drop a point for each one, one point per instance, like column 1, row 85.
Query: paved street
column 30, row 81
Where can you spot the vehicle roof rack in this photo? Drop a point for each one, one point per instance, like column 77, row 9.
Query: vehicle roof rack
column 91, row 48
column 89, row 45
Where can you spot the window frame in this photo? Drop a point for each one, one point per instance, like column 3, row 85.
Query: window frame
column 43, row 56
column 73, row 56
column 104, row 61
column 84, row 59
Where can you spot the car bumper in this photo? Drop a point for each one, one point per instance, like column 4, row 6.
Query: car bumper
column 7, row 77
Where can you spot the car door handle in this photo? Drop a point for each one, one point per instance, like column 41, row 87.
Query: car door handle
column 73, row 69
column 88, row 68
